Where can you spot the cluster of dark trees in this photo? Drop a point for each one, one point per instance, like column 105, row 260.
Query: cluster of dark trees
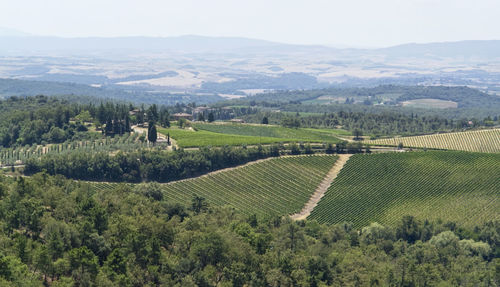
column 27, row 121
column 149, row 165
column 42, row 119
column 346, row 147
column 116, row 118
column 56, row 232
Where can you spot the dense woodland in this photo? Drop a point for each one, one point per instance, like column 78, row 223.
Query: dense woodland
column 59, row 232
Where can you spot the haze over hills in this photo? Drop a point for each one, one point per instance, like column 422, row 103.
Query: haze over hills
column 13, row 41
column 235, row 66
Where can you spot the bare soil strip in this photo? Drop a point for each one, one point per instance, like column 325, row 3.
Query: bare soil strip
column 322, row 188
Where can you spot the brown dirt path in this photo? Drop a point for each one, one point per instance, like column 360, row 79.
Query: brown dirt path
column 322, row 188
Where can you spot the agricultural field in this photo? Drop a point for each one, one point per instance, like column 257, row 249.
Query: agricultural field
column 475, row 141
column 128, row 142
column 305, row 134
column 430, row 104
column 239, row 134
column 277, row 186
column 191, row 138
column 457, row 186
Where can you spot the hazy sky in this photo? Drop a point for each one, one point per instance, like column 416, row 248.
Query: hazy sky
column 364, row 23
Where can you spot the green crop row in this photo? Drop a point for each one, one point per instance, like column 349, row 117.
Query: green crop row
column 238, row 134
column 303, row 134
column 454, row 186
column 272, row 187
column 478, row 141
column 128, row 142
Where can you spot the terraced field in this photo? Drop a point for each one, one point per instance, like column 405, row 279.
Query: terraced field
column 239, row 134
column 277, row 186
column 479, row 141
column 449, row 185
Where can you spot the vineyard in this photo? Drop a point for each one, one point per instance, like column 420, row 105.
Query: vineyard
column 299, row 134
column 190, row 138
column 241, row 134
column 19, row 155
column 478, row 141
column 454, row 186
column 277, row 186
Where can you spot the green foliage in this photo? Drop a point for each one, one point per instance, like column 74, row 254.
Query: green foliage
column 149, row 242
column 480, row 141
column 450, row 186
column 282, row 133
column 211, row 117
column 263, row 188
column 290, row 122
column 152, row 134
column 201, row 138
column 134, row 166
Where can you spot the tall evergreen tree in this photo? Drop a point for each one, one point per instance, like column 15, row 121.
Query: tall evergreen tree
column 152, row 134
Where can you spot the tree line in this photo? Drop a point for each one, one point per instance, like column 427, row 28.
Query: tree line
column 145, row 165
column 57, row 232
column 44, row 120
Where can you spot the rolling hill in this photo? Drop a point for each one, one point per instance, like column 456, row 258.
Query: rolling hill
column 478, row 141
column 272, row 187
column 453, row 186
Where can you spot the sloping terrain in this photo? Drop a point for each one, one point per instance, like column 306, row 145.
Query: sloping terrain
column 277, row 186
column 452, row 186
column 478, row 141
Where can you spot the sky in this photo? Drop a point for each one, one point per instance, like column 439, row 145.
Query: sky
column 354, row 23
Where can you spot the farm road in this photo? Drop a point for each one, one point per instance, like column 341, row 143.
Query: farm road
column 322, row 188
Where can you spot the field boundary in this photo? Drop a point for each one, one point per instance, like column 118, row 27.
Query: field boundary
column 322, row 188
column 242, row 166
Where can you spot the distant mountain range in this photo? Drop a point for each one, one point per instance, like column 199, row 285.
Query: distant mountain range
column 14, row 42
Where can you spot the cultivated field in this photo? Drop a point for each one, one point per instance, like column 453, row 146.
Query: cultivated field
column 304, row 134
column 452, row 186
column 479, row 141
column 192, row 138
column 430, row 104
column 126, row 143
column 239, row 134
column 277, row 186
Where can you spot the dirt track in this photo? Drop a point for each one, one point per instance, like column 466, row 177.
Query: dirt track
column 322, row 188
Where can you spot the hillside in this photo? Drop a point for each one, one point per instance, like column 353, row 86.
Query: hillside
column 267, row 188
column 478, row 141
column 450, row 186
column 81, row 89
column 386, row 95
